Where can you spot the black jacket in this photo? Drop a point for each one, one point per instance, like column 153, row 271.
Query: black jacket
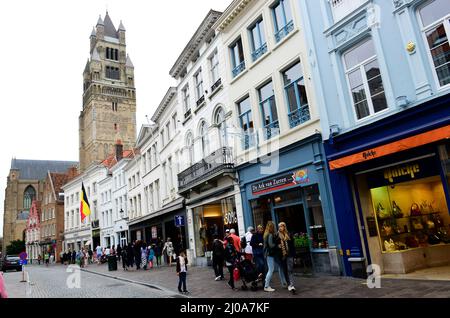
column 178, row 263
column 257, row 249
column 218, row 250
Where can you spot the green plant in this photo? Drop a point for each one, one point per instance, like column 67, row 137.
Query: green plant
column 301, row 240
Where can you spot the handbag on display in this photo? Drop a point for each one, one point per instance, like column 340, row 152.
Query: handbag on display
column 387, row 228
column 417, row 224
column 415, row 210
column 396, row 211
column 433, row 239
column 382, row 212
column 389, row 246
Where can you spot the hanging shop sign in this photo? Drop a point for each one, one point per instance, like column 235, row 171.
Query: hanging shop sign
column 281, row 182
column 404, row 172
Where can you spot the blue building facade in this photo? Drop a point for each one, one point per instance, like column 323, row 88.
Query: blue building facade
column 382, row 73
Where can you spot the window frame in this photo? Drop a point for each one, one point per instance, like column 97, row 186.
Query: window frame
column 287, row 24
column 237, row 68
column 360, row 66
column 257, row 52
column 198, row 79
column 268, row 134
column 214, row 67
column 241, row 123
column 445, row 21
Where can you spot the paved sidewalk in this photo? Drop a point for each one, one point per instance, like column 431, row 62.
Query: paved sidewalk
column 201, row 283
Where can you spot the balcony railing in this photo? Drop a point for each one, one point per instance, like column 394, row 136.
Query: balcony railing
column 259, row 52
column 299, row 116
column 239, row 69
column 284, row 31
column 187, row 113
column 216, row 85
column 249, row 140
column 95, row 224
column 218, row 161
column 201, row 100
column 272, row 129
column 341, row 8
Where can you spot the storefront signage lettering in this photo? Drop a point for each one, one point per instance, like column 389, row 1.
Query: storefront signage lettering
column 411, row 170
column 369, row 154
column 288, row 180
column 230, row 217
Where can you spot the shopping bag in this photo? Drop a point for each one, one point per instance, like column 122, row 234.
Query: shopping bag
column 236, row 274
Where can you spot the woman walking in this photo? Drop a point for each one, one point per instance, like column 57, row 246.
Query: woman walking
column 231, row 257
column 218, row 258
column 182, row 272
column 272, row 252
column 257, row 244
column 144, row 257
column 288, row 254
column 168, row 248
column 158, row 252
column 124, row 256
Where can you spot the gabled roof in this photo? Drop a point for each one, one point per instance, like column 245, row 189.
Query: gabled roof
column 171, row 92
column 57, row 181
column 129, row 63
column 111, row 160
column 203, row 32
column 144, row 133
column 38, row 169
column 110, row 29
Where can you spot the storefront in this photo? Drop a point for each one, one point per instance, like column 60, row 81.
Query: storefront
column 75, row 240
column 392, row 203
column 297, row 194
column 161, row 226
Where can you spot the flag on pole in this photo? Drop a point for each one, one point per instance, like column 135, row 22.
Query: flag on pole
column 85, row 209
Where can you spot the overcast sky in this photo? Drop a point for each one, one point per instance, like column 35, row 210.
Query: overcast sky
column 45, row 45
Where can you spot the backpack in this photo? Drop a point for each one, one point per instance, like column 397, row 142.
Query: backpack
column 243, row 242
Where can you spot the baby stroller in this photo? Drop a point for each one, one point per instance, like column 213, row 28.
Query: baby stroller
column 249, row 274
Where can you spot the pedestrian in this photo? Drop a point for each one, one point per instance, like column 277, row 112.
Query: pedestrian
column 273, row 257
column 130, row 255
column 182, row 272
column 52, row 258
column 144, row 257
column 158, row 252
column 46, row 258
column 257, row 244
column 168, row 248
column 236, row 240
column 99, row 253
column 225, row 242
column 91, row 254
column 74, row 256
column 61, row 257
column 3, row 293
column 218, row 257
column 287, row 254
column 124, row 258
column 231, row 257
column 107, row 251
column 39, row 259
column 137, row 255
column 151, row 255
column 119, row 252
column 245, row 244
column 113, row 250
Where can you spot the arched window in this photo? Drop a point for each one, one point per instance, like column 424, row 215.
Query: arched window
column 219, row 120
column 190, row 147
column 203, row 132
column 28, row 196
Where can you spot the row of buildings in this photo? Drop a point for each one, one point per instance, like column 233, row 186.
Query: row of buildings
column 330, row 115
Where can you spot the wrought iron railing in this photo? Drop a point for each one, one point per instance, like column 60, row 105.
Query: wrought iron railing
column 284, row 31
column 201, row 100
column 216, row 85
column 272, row 129
column 187, row 113
column 239, row 69
column 299, row 116
column 259, row 52
column 219, row 160
column 249, row 140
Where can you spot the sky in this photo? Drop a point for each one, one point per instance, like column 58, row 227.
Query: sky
column 44, row 48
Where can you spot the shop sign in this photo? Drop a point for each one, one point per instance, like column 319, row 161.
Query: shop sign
column 179, row 221
column 230, row 218
column 284, row 181
column 154, row 232
column 403, row 172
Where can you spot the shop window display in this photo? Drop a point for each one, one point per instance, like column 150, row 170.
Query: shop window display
column 410, row 214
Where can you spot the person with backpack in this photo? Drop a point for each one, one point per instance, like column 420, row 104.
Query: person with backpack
column 245, row 243
column 257, row 244
column 231, row 257
column 218, row 257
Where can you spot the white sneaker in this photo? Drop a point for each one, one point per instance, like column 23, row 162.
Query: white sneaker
column 217, row 278
column 291, row 288
column 269, row 289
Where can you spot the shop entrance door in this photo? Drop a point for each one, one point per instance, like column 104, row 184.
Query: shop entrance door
column 294, row 217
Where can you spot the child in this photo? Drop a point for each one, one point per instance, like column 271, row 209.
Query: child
column 151, row 256
column 182, row 271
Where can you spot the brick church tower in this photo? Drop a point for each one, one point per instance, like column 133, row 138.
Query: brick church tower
column 109, row 95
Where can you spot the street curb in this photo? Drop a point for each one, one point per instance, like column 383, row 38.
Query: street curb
column 134, row 282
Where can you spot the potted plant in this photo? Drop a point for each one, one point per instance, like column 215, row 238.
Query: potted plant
column 302, row 242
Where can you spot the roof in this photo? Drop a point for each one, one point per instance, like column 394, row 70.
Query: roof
column 129, row 63
column 231, row 13
column 111, row 160
column 38, row 169
column 110, row 29
column 95, row 55
column 171, row 92
column 203, row 32
column 121, row 27
column 58, row 180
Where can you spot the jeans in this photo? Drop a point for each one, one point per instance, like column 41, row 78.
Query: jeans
column 182, row 281
column 260, row 263
column 231, row 281
column 271, row 263
column 289, row 270
column 218, row 266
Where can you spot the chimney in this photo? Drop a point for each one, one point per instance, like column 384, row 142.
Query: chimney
column 119, row 150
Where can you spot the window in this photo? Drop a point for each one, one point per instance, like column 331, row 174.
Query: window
column 170, row 173
column 203, row 132
column 114, row 106
column 186, row 104
column 237, row 58
column 282, row 18
column 294, row 87
column 214, row 62
column 436, row 27
column 163, row 142
column 199, row 86
column 157, row 194
column 112, row 54
column 219, row 120
column 190, row 148
column 174, row 123
column 155, row 156
column 94, row 186
column 166, row 179
column 257, row 40
column 28, row 196
column 112, row 73
column 364, row 79
column 268, row 110
column 168, row 131
column 246, row 121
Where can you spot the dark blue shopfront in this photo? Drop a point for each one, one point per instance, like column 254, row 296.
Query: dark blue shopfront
column 407, row 150
column 291, row 186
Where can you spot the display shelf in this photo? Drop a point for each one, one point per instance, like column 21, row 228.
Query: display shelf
column 406, row 217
